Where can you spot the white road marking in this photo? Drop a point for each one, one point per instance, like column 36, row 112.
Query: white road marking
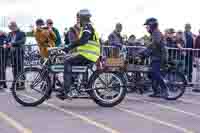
column 190, row 101
column 81, row 117
column 14, row 123
column 146, row 117
column 168, row 108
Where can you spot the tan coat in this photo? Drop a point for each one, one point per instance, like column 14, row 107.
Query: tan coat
column 45, row 39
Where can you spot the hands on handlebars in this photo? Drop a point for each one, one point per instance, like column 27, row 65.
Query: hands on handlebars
column 65, row 49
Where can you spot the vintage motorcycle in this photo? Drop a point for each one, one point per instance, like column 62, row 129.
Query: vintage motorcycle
column 105, row 88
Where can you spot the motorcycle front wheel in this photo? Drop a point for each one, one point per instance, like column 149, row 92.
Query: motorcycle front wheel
column 108, row 88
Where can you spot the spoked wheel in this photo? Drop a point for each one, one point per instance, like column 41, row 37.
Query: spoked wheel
column 108, row 89
column 176, row 84
column 36, row 87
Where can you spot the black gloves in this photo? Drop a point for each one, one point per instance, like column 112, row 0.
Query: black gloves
column 66, row 50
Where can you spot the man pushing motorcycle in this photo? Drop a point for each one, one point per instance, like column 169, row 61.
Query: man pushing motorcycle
column 156, row 50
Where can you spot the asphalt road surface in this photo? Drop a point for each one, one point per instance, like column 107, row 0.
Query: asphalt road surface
column 136, row 114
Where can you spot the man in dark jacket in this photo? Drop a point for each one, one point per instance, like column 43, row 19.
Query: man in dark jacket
column 58, row 41
column 157, row 52
column 3, row 59
column 16, row 41
column 189, row 58
column 115, row 39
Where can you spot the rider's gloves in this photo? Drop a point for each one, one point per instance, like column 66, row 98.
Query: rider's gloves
column 66, row 50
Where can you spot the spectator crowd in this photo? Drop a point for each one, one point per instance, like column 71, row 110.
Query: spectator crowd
column 46, row 35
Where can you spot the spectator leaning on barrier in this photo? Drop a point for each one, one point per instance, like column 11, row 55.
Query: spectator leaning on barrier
column 131, row 40
column 16, row 41
column 189, row 55
column 115, row 39
column 170, row 41
column 130, row 50
column 180, row 53
column 45, row 38
column 58, row 41
column 170, row 38
column 180, row 39
column 3, row 59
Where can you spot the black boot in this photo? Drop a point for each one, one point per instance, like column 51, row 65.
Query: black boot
column 164, row 93
column 155, row 95
column 156, row 92
column 1, row 88
column 63, row 94
column 4, row 85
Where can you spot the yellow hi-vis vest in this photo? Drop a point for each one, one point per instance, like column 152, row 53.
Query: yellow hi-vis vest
column 91, row 50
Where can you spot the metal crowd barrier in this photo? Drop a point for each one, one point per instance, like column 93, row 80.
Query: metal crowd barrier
column 15, row 59
column 187, row 60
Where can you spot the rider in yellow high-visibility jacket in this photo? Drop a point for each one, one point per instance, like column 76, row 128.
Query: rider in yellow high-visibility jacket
column 88, row 50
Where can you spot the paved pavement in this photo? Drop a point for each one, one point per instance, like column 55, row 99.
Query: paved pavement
column 136, row 114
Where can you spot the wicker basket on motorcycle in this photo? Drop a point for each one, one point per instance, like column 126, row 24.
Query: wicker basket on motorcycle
column 114, row 62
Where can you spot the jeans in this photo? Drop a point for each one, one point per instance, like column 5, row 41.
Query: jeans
column 76, row 60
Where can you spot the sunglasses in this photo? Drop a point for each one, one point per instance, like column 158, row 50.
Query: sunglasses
column 50, row 23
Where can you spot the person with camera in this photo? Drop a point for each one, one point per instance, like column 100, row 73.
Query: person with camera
column 156, row 50
column 45, row 38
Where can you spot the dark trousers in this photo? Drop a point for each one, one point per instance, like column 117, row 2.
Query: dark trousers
column 157, row 77
column 17, row 60
column 69, row 62
column 3, row 64
column 189, row 66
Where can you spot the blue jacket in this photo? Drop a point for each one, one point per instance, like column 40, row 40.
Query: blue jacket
column 17, row 38
column 3, row 39
column 189, row 40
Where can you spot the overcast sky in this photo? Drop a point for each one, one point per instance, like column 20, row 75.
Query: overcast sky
column 131, row 13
